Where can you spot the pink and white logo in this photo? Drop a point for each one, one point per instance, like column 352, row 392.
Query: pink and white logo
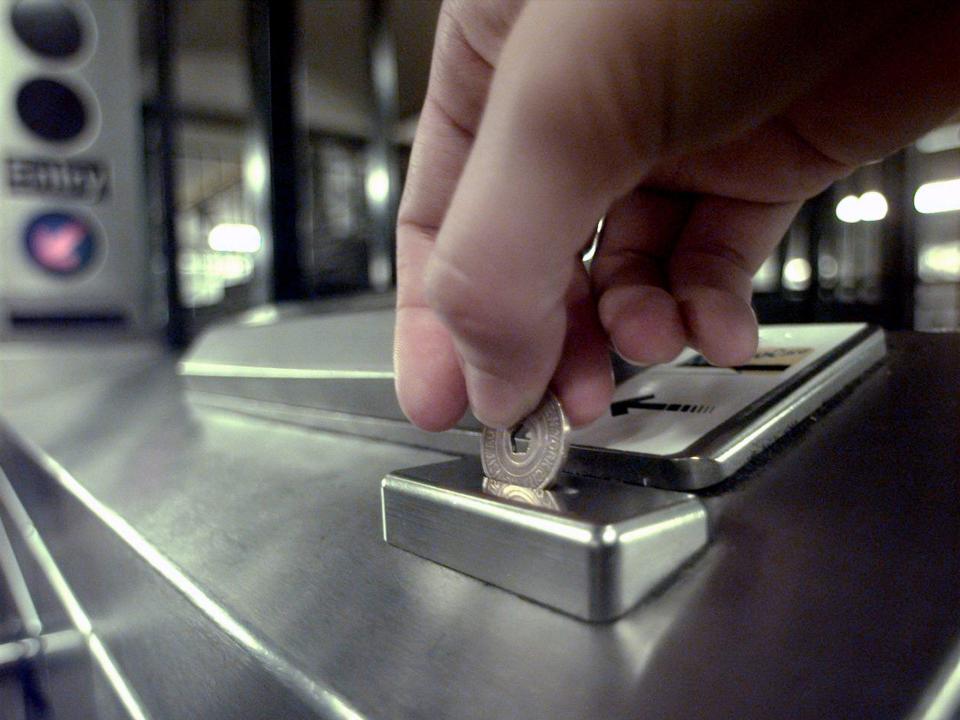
column 60, row 243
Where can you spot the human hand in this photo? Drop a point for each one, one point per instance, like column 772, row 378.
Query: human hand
column 699, row 128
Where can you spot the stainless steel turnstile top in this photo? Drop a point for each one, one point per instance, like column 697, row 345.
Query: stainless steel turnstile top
column 234, row 567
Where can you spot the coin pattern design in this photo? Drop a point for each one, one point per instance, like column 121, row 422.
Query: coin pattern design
column 548, row 441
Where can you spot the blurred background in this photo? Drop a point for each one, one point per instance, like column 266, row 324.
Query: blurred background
column 169, row 163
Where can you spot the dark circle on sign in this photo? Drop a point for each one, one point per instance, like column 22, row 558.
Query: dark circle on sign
column 62, row 244
column 51, row 109
column 50, row 28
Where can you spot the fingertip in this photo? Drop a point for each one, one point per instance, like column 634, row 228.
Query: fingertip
column 430, row 415
column 495, row 402
column 644, row 323
column 427, row 376
column 585, row 397
column 721, row 325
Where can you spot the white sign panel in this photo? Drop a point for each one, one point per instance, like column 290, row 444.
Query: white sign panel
column 667, row 408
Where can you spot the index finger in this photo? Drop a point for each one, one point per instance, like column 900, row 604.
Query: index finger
column 429, row 380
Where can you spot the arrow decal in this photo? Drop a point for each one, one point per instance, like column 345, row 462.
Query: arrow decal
column 623, row 407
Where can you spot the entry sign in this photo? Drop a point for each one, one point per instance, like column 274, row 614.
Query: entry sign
column 61, row 243
column 85, row 180
column 666, row 409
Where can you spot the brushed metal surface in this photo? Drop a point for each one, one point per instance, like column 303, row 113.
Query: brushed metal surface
column 456, row 441
column 831, row 587
column 595, row 555
column 333, row 362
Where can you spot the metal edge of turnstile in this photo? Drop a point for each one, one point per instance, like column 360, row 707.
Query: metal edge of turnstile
column 83, row 549
column 723, row 452
column 340, row 393
column 567, row 556
column 589, row 548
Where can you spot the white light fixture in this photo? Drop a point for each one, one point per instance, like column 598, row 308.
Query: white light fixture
column 235, row 237
column 869, row 207
column 848, row 209
column 254, row 172
column 378, row 185
column 943, row 138
column 796, row 273
column 940, row 262
column 380, row 271
column 938, row 197
column 828, row 267
column 873, row 206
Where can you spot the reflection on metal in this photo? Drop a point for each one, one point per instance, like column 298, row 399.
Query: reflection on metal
column 456, row 441
column 50, row 645
column 44, row 559
column 210, row 369
column 323, row 700
column 941, row 700
column 592, row 550
column 263, row 315
column 29, row 618
column 325, row 590
column 534, row 497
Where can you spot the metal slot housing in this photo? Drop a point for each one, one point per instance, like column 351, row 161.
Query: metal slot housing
column 589, row 548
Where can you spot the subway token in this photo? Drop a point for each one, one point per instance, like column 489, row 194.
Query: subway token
column 547, row 434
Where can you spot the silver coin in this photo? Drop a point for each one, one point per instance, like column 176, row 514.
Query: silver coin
column 548, row 441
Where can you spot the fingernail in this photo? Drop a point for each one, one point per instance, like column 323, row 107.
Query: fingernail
column 495, row 402
column 626, row 358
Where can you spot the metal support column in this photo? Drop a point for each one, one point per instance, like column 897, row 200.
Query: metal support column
column 382, row 171
column 272, row 35
column 899, row 250
column 165, row 22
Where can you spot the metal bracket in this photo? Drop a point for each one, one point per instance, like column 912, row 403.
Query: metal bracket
column 590, row 548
